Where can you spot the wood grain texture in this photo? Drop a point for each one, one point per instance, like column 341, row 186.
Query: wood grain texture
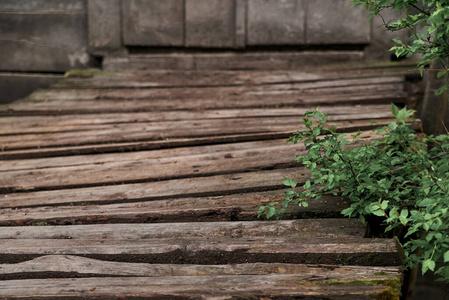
column 181, row 287
column 235, row 207
column 147, row 184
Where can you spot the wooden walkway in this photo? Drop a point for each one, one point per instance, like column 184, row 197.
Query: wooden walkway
column 147, row 185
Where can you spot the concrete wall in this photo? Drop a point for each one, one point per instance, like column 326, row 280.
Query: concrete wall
column 43, row 37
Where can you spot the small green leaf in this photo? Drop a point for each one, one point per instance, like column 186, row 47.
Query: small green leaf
column 307, row 184
column 446, row 256
column 384, row 204
column 378, row 213
column 392, row 125
column 394, row 110
column 404, row 213
column 428, row 264
column 441, row 74
column 403, row 220
column 289, row 182
column 271, row 212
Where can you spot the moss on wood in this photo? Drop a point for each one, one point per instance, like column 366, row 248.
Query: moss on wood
column 84, row 73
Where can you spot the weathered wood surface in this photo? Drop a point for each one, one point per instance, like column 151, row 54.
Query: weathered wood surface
column 169, row 165
column 234, row 207
column 272, row 286
column 147, row 185
column 329, row 241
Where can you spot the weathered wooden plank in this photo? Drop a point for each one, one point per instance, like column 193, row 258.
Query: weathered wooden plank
column 264, row 100
column 236, row 207
column 149, row 145
column 63, row 264
column 213, row 250
column 304, row 89
column 248, row 124
column 303, row 228
column 149, row 170
column 280, row 286
column 76, row 160
column 70, row 161
column 189, row 80
column 177, row 188
column 119, row 133
column 51, row 123
column 138, row 146
column 144, row 168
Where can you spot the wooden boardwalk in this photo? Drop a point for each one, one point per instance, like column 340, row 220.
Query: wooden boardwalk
column 147, row 184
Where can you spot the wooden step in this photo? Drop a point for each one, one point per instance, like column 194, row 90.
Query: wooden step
column 326, row 241
column 235, row 207
column 146, row 185
column 65, row 123
column 156, row 281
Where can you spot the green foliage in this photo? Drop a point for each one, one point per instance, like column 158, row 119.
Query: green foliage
column 427, row 22
column 402, row 178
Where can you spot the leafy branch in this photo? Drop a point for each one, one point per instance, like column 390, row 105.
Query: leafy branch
column 426, row 21
column 402, row 178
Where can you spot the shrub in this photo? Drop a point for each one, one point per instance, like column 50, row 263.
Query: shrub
column 402, row 178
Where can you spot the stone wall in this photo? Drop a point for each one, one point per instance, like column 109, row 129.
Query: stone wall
column 228, row 24
column 52, row 36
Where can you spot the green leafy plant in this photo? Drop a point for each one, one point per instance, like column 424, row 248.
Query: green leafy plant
column 401, row 178
column 427, row 23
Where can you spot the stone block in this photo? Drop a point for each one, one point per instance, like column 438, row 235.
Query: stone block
column 153, row 22
column 210, row 23
column 276, row 22
column 336, row 22
column 104, row 21
column 14, row 86
column 43, row 5
column 240, row 23
column 230, row 60
column 160, row 61
column 53, row 42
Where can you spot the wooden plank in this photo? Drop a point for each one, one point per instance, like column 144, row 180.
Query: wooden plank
column 344, row 87
column 149, row 170
column 144, row 168
column 177, row 188
column 288, row 99
column 70, row 161
column 120, row 133
column 143, row 80
column 304, row 228
column 160, row 78
column 86, row 266
column 249, row 124
column 213, row 250
column 277, row 286
column 236, row 207
column 50, row 123
column 8, row 154
column 326, row 88
column 78, row 160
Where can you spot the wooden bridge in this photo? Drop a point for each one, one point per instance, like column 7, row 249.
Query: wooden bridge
column 147, row 184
